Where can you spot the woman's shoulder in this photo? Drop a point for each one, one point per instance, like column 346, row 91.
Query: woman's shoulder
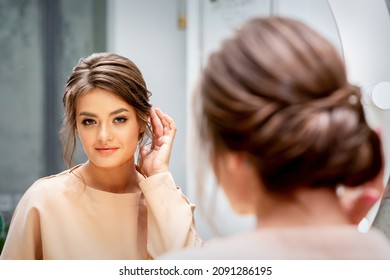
column 333, row 242
column 239, row 246
column 50, row 186
column 60, row 179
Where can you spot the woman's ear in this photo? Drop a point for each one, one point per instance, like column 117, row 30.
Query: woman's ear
column 357, row 202
column 235, row 162
column 142, row 129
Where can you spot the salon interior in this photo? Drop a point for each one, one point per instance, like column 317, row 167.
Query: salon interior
column 170, row 40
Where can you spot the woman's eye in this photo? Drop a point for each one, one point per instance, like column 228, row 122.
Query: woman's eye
column 120, row 120
column 88, row 122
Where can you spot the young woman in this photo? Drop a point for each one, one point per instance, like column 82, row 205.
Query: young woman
column 286, row 133
column 108, row 207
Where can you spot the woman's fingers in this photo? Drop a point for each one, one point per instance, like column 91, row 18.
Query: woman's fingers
column 156, row 158
column 168, row 124
column 143, row 151
column 357, row 201
column 156, row 123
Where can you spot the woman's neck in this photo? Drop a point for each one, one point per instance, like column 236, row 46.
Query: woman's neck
column 121, row 179
column 305, row 207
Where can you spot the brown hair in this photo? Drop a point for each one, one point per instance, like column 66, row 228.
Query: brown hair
column 107, row 71
column 278, row 92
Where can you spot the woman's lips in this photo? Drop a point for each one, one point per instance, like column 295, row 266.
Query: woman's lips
column 106, row 150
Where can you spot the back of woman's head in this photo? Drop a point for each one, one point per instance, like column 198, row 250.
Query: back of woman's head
column 110, row 72
column 278, row 92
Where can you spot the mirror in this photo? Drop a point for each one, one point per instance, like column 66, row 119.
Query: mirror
column 363, row 46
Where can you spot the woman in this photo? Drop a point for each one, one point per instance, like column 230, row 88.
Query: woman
column 108, row 207
column 286, row 133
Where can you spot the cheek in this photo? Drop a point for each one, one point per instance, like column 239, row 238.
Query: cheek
column 86, row 137
column 226, row 181
column 128, row 139
column 130, row 134
column 241, row 198
column 238, row 188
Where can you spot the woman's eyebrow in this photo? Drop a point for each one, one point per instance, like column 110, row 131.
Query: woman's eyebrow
column 88, row 114
column 118, row 111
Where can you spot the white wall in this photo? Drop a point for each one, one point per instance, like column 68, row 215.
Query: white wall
column 147, row 33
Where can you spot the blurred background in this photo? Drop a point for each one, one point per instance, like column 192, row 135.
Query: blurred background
column 42, row 40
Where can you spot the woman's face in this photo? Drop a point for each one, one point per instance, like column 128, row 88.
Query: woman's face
column 108, row 128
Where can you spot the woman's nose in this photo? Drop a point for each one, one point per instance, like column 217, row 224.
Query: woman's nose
column 104, row 133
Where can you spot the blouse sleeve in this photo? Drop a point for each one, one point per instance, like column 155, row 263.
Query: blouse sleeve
column 23, row 240
column 170, row 216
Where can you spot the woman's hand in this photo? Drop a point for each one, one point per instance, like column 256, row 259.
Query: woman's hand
column 357, row 202
column 156, row 159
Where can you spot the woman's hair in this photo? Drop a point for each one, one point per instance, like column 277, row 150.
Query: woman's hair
column 277, row 91
column 107, row 71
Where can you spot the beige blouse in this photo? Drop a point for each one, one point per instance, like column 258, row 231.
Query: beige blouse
column 59, row 217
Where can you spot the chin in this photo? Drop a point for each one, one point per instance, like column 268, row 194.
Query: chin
column 108, row 163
